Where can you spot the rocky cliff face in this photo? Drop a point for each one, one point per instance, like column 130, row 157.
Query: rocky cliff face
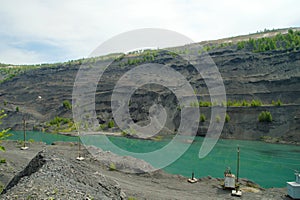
column 266, row 76
column 244, row 123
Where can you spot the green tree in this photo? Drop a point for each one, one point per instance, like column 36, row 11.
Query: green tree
column 241, row 45
column 252, row 43
column 4, row 133
column 272, row 44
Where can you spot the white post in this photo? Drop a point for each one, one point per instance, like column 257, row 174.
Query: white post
column 24, row 134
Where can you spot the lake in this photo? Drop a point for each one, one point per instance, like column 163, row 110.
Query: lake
column 270, row 165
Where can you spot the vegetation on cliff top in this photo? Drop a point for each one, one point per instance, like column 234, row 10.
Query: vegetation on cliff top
column 289, row 42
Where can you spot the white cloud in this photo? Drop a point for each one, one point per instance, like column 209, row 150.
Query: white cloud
column 78, row 27
column 18, row 56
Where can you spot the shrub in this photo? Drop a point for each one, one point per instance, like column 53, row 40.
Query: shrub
column 20, row 142
column 277, row 103
column 202, row 118
column 205, row 103
column 237, row 103
column 67, row 105
column 128, row 132
column 112, row 167
column 124, row 133
column 227, row 118
column 102, row 126
column 178, row 107
column 229, row 103
column 17, row 109
column 59, row 120
column 31, row 140
column 245, row 103
column 194, row 104
column 256, row 103
column 218, row 118
column 265, row 116
column 111, row 124
column 1, row 187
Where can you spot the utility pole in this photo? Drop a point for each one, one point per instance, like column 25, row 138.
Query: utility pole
column 237, row 192
column 238, row 164
column 80, row 158
column 24, row 135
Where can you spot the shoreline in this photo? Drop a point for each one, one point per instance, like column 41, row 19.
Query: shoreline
column 60, row 159
column 74, row 143
column 268, row 140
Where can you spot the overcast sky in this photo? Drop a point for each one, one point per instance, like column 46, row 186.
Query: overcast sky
column 61, row 30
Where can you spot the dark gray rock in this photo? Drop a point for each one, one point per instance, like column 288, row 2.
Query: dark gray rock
column 266, row 76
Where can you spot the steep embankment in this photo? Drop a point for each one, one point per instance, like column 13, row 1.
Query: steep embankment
column 262, row 74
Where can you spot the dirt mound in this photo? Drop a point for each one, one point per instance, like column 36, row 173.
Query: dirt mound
column 53, row 175
column 121, row 163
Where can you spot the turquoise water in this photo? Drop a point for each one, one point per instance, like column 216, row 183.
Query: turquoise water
column 269, row 165
column 41, row 137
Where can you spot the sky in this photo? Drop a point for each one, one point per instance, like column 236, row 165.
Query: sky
column 33, row 32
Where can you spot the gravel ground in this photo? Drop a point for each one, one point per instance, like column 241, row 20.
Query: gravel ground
column 52, row 172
